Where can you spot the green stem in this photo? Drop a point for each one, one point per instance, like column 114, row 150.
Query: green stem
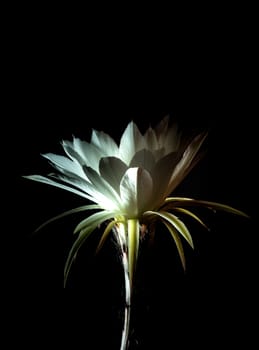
column 133, row 245
column 128, row 236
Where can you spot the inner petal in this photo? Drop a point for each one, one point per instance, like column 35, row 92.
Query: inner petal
column 136, row 191
column 112, row 169
column 144, row 159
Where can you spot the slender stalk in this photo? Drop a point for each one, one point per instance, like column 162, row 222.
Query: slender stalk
column 127, row 309
column 128, row 238
column 121, row 235
column 132, row 246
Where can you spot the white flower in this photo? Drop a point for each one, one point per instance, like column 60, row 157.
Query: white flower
column 129, row 184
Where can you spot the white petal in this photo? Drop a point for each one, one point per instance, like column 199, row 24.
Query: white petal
column 131, row 142
column 93, row 156
column 47, row 181
column 111, row 199
column 112, row 169
column 77, row 182
column 144, row 159
column 91, row 191
column 81, row 147
column 65, row 164
column 88, row 152
column 135, row 190
column 105, row 143
column 72, row 153
column 144, row 189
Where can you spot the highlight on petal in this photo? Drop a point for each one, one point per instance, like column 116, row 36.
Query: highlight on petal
column 131, row 142
column 135, row 191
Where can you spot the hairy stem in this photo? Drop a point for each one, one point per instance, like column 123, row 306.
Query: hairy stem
column 126, row 324
column 128, row 238
column 121, row 236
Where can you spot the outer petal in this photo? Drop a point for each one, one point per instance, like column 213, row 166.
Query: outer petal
column 105, row 143
column 111, row 199
column 175, row 222
column 185, row 164
column 86, row 153
column 131, row 142
column 92, row 156
column 161, row 175
column 94, row 220
column 89, row 225
column 136, row 191
column 65, row 165
column 95, row 194
column 47, row 181
column 76, row 149
column 72, row 153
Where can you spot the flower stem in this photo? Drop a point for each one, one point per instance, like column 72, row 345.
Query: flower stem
column 126, row 324
column 121, row 235
column 128, row 237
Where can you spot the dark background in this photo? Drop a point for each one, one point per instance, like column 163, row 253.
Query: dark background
column 221, row 272
column 59, row 86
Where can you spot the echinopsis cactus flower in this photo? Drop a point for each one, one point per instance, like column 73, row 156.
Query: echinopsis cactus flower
column 130, row 185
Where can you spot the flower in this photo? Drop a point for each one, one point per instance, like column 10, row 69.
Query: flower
column 129, row 185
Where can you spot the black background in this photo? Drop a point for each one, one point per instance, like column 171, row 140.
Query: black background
column 59, row 86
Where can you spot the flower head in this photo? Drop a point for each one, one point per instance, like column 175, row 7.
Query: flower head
column 129, row 183
column 126, row 179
